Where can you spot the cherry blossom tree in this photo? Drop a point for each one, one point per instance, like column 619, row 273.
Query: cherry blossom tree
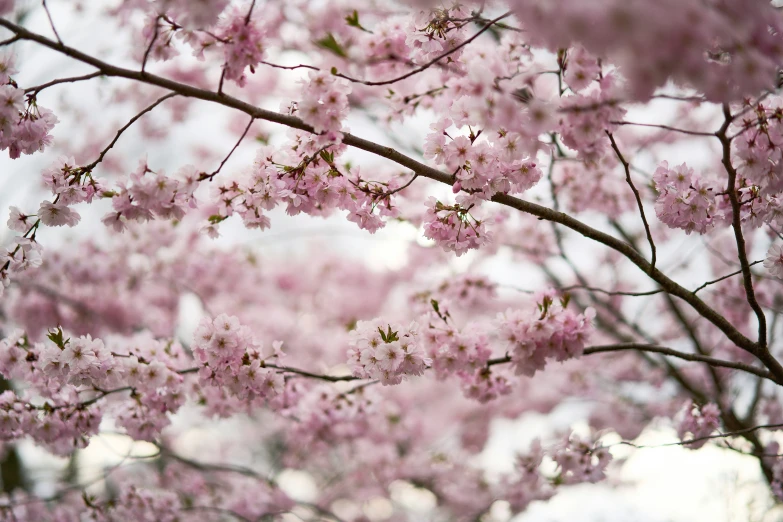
column 619, row 158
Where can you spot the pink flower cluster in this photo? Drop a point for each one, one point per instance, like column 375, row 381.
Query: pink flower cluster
column 484, row 386
column 63, row 367
column 24, row 127
column 758, row 151
column 528, row 485
column 489, row 166
column 22, row 254
column 455, row 352
column 58, row 425
column 148, row 194
column 231, row 358
column 308, row 181
column 7, row 70
column 581, row 68
column 550, row 332
column 453, row 227
column 430, row 33
column 136, row 503
column 324, row 103
column 242, row 41
column 581, row 460
column 685, row 200
column 586, row 116
column 78, row 361
column 387, row 352
column 696, row 422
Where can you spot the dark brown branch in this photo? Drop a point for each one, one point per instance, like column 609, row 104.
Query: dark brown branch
column 289, row 67
column 330, row 378
column 712, row 361
column 693, row 357
column 736, row 224
column 38, row 88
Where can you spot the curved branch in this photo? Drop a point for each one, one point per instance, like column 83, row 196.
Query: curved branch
column 626, row 167
column 712, row 361
column 38, row 88
column 126, row 127
column 432, row 62
column 736, row 224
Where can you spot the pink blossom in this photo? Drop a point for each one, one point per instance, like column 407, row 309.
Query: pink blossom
column 57, row 214
column 774, row 260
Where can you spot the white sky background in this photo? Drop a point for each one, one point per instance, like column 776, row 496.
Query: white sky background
column 658, row 484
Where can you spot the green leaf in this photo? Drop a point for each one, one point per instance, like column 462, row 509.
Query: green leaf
column 330, row 44
column 215, row 219
column 391, row 336
column 327, row 156
column 57, row 338
column 353, row 21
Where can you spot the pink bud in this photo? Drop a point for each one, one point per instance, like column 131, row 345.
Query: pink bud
column 456, row 187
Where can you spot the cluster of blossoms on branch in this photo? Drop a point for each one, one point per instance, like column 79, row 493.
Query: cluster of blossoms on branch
column 386, row 352
column 233, row 360
column 24, row 125
column 550, row 332
column 698, row 422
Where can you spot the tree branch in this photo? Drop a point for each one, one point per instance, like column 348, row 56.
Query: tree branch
column 736, row 224
column 693, row 357
column 125, row 127
column 638, row 197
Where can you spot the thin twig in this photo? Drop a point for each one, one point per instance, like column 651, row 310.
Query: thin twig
column 152, row 43
column 38, row 88
column 744, row 431
column 726, row 276
column 693, row 357
column 431, row 62
column 125, row 127
column 9, row 41
column 51, row 22
column 330, row 378
column 626, row 166
column 666, row 127
column 239, row 141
